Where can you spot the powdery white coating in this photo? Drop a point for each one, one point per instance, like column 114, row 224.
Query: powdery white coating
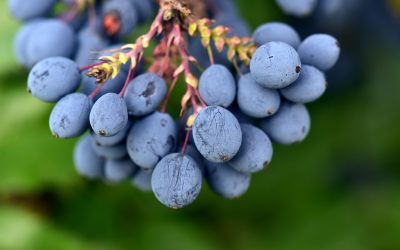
column 144, row 94
column 89, row 41
column 278, row 32
column 116, row 171
column 115, row 152
column 27, row 10
column 226, row 181
column 275, row 65
column 320, row 50
column 53, row 78
column 255, row 153
column 298, row 8
column 255, row 100
column 115, row 139
column 310, row 86
column 70, row 117
column 151, row 138
column 290, row 125
column 217, row 134
column 217, row 86
column 50, row 38
column 109, row 115
column 115, row 85
column 87, row 162
column 142, row 180
column 176, row 181
column 20, row 43
column 126, row 12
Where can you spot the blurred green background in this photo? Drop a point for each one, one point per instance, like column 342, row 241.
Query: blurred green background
column 340, row 189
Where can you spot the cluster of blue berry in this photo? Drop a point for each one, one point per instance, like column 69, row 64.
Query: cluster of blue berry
column 224, row 140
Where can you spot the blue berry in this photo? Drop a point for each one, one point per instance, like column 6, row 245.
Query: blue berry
column 226, row 181
column 320, row 50
column 145, row 9
column 240, row 116
column 70, row 117
column 50, row 38
column 217, row 134
column 151, row 138
column 53, row 78
column 115, row 139
column 125, row 12
column 109, row 115
column 310, row 86
column 217, row 86
column 276, row 32
column 27, row 10
column 176, row 181
column 144, row 94
column 275, row 65
column 142, row 180
column 115, row 152
column 255, row 100
column 290, row 125
column 255, row 153
column 298, row 8
column 87, row 162
column 116, row 171
column 226, row 7
column 20, row 43
column 88, row 42
column 196, row 156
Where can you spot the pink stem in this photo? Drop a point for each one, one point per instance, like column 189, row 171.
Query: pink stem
column 210, row 55
column 129, row 78
column 171, row 89
column 200, row 98
column 185, row 144
column 85, row 68
column 96, row 91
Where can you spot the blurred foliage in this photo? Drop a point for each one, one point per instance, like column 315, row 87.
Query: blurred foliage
column 340, row 189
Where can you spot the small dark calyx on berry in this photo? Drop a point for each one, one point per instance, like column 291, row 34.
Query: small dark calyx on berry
column 56, row 136
column 224, row 158
column 298, row 69
column 102, row 132
column 112, row 23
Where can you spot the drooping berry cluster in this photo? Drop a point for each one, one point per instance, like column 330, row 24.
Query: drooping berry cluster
column 228, row 121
